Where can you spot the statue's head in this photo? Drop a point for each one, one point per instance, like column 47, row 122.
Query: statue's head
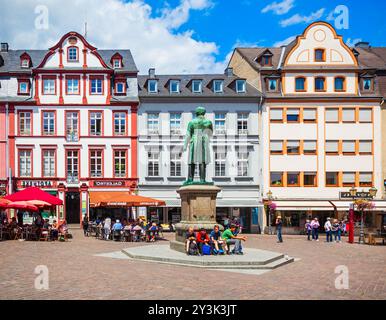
column 200, row 111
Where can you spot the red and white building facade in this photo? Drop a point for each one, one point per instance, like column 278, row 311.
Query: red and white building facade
column 68, row 121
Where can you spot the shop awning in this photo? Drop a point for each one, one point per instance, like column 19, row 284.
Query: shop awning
column 321, row 205
column 121, row 199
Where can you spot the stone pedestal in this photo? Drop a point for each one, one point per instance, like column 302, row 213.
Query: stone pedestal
column 198, row 210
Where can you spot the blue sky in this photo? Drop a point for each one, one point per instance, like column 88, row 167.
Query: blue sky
column 183, row 36
column 228, row 22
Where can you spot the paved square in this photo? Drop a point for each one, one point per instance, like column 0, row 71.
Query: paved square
column 86, row 268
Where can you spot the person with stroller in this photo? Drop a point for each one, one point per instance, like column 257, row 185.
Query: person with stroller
column 217, row 241
column 191, row 242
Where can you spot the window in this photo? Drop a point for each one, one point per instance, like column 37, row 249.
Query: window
column 309, row 115
column 96, row 123
column 174, row 86
column 276, row 146
column 72, row 126
column 293, row 115
column 276, row 115
column 365, row 179
column 220, row 164
column 365, row 147
column 367, row 84
column 72, row 54
column 218, row 86
column 197, row 86
column 175, row 164
column 153, row 86
column 25, row 163
column 25, row 63
column 242, row 164
column 25, row 123
column 48, row 163
column 320, row 55
column 348, row 147
column 348, row 179
column 49, row 86
column 153, row 123
column 219, row 123
column 332, row 115
column 293, row 147
column 300, row 84
column 332, row 179
column 320, row 84
column 348, row 115
column 119, row 163
column 117, row 63
column 309, row 147
column 120, row 87
column 309, row 179
column 242, row 123
column 96, row 85
column 293, row 179
column 48, row 123
column 96, row 162
column 23, row 87
column 276, row 179
column 119, row 123
column 340, row 84
column 332, row 147
column 266, row 60
column 365, row 115
column 153, row 164
column 272, row 85
column 240, row 86
column 175, row 123
column 72, row 166
column 72, row 85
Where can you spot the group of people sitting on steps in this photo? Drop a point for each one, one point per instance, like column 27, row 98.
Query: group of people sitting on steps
column 217, row 242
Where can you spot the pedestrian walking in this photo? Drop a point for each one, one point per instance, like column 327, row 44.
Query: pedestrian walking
column 308, row 229
column 328, row 229
column 279, row 225
column 336, row 230
column 107, row 228
column 315, row 229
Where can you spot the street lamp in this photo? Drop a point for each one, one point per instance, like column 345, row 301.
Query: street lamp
column 270, row 197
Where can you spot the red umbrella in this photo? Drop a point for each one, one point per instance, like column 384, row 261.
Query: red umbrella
column 4, row 203
column 22, row 205
column 40, row 203
column 34, row 193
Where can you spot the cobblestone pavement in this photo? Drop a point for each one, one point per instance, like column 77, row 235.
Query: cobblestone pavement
column 75, row 272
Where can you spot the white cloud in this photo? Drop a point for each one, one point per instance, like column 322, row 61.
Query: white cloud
column 352, row 42
column 284, row 42
column 297, row 18
column 279, row 8
column 154, row 40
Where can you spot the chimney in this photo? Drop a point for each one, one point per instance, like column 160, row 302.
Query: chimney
column 4, row 47
column 362, row 44
column 152, row 72
column 229, row 72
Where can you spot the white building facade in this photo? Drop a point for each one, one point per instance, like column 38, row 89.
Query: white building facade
column 167, row 104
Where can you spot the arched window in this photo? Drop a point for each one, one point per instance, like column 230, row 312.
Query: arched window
column 72, row 54
column 320, row 55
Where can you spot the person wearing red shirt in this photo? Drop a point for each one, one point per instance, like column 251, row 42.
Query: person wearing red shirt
column 202, row 239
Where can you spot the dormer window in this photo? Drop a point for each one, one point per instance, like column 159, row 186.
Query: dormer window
column 174, row 86
column 197, row 86
column 117, row 63
column 153, row 86
column 72, row 54
column 367, row 84
column 272, row 85
column 25, row 63
column 218, row 86
column 240, row 86
column 265, row 59
column 320, row 55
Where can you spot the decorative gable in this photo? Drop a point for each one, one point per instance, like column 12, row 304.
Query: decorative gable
column 320, row 45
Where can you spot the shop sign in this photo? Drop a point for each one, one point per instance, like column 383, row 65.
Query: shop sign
column 36, row 183
column 111, row 184
column 358, row 195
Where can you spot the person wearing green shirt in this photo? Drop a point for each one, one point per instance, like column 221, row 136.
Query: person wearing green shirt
column 230, row 238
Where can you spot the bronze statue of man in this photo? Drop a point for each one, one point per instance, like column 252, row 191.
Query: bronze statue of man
column 197, row 138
